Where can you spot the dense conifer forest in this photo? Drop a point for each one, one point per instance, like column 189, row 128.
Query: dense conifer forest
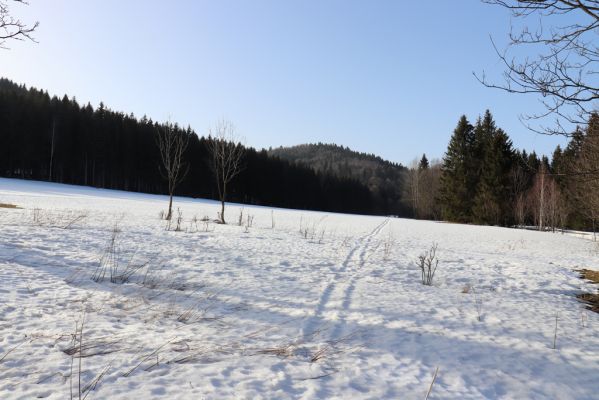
column 384, row 179
column 484, row 180
column 59, row 140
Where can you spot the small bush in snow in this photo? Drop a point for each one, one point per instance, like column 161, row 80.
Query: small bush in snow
column 179, row 220
column 249, row 222
column 428, row 263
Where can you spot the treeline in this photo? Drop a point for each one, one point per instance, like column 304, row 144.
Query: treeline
column 57, row 139
column 482, row 179
column 384, row 179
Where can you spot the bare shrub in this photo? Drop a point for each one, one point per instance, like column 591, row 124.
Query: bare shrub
column 65, row 219
column 36, row 216
column 321, row 237
column 428, row 263
column 311, row 230
column 206, row 223
column 240, row 218
column 249, row 222
column 179, row 220
column 73, row 218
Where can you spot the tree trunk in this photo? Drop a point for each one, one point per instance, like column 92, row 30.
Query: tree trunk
column 222, row 212
column 170, row 207
column 542, row 202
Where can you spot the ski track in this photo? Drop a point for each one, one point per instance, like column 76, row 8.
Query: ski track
column 334, row 293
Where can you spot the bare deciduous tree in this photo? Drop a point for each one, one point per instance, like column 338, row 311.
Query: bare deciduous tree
column 226, row 153
column 429, row 192
column 563, row 35
column 413, row 187
column 556, row 206
column 13, row 28
column 172, row 143
column 546, row 203
column 421, row 189
column 537, row 198
column 585, row 184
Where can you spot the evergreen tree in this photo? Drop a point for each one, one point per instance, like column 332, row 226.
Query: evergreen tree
column 423, row 164
column 493, row 196
column 456, row 188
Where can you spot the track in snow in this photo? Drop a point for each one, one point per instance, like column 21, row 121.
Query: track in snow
column 339, row 292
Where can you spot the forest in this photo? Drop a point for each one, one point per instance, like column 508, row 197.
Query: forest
column 384, row 179
column 58, row 140
column 481, row 179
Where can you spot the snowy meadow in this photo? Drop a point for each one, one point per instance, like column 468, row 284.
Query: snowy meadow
column 100, row 298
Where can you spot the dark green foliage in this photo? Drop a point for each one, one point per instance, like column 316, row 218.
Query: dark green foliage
column 384, row 179
column 108, row 149
column 475, row 180
column 492, row 202
column 456, row 179
column 423, row 164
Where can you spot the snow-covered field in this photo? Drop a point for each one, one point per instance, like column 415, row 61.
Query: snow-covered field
column 334, row 311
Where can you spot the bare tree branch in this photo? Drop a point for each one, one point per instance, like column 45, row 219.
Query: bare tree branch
column 564, row 71
column 12, row 28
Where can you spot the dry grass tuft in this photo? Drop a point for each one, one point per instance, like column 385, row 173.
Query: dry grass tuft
column 590, row 275
column 592, row 300
column 7, row 205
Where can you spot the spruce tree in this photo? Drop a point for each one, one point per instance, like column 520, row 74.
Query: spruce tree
column 455, row 191
column 495, row 158
column 423, row 164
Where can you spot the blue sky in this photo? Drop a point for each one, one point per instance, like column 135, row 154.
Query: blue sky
column 384, row 77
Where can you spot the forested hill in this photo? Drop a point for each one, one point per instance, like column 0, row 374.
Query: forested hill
column 55, row 139
column 384, row 179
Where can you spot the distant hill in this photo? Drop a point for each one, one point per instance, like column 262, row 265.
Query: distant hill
column 384, row 179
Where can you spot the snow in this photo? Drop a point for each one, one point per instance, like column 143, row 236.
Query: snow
column 335, row 311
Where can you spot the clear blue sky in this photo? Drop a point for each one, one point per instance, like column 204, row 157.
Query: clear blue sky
column 384, row 77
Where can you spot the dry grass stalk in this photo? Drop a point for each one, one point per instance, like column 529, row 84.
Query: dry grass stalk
column 430, row 389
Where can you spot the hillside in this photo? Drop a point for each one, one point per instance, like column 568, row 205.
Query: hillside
column 384, row 179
